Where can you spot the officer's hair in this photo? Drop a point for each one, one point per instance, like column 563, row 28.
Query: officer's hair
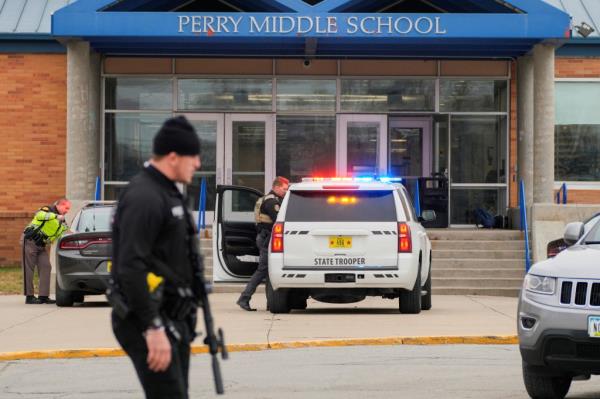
column 60, row 201
column 280, row 181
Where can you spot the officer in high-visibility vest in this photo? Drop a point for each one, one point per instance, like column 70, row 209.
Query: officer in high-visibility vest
column 266, row 211
column 47, row 225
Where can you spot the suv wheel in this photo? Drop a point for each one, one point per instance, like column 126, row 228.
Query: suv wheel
column 426, row 299
column 64, row 298
column 277, row 300
column 543, row 386
column 410, row 301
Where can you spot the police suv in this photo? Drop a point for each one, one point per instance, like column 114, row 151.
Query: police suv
column 336, row 240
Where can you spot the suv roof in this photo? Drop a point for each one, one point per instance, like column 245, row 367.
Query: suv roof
column 343, row 183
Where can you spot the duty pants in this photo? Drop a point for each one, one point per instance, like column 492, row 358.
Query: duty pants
column 169, row 384
column 262, row 241
column 35, row 256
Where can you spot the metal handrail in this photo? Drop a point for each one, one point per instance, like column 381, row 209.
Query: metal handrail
column 202, row 206
column 524, row 225
column 98, row 193
column 563, row 190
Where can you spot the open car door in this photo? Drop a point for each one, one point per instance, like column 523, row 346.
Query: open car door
column 235, row 254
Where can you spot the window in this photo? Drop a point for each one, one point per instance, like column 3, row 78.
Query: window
column 473, row 95
column 138, row 94
column 383, row 95
column 301, row 95
column 226, row 94
column 577, row 131
column 341, row 206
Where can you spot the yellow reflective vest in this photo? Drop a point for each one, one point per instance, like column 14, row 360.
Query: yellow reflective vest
column 51, row 227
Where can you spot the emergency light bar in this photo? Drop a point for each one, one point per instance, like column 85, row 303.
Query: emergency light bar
column 383, row 179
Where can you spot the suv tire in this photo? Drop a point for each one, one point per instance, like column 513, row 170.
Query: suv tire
column 64, row 298
column 426, row 299
column 277, row 300
column 410, row 301
column 297, row 299
column 543, row 386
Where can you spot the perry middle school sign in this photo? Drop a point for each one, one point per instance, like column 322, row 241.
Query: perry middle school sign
column 310, row 25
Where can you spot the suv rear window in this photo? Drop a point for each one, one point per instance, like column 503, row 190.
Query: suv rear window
column 341, row 206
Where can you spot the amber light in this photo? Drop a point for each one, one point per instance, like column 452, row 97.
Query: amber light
column 277, row 238
column 341, row 200
column 404, row 241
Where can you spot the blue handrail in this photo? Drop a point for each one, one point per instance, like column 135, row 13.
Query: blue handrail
column 98, row 193
column 417, row 200
column 202, row 206
column 524, row 226
column 563, row 190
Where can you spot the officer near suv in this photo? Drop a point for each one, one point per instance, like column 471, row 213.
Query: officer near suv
column 265, row 212
column 47, row 225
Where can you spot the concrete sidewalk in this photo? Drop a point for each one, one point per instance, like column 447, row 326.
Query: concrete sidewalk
column 47, row 327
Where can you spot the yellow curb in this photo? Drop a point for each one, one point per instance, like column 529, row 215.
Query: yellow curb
column 196, row 349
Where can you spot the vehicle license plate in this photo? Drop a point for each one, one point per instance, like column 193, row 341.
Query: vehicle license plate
column 594, row 326
column 340, row 242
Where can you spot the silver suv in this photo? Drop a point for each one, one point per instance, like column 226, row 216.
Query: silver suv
column 559, row 316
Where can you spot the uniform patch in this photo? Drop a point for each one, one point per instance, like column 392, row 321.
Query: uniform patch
column 276, row 208
column 177, row 211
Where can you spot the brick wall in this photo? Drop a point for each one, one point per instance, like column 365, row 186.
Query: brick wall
column 579, row 68
column 33, row 123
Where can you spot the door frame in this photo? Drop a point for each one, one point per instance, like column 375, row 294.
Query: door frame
column 341, row 148
column 426, row 124
column 269, row 155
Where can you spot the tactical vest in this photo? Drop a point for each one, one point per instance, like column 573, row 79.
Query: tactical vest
column 260, row 217
column 44, row 227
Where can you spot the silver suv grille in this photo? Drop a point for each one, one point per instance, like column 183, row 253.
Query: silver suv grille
column 580, row 293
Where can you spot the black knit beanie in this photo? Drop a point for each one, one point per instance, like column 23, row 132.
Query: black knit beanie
column 176, row 135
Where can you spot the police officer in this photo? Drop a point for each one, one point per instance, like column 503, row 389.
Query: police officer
column 151, row 259
column 47, row 225
column 267, row 214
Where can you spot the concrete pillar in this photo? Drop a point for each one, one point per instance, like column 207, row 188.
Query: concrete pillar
column 525, row 125
column 83, row 120
column 543, row 136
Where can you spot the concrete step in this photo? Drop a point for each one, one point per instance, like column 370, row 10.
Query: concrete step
column 479, row 273
column 474, row 234
column 477, row 254
column 478, row 263
column 477, row 282
column 499, row 291
column 479, row 244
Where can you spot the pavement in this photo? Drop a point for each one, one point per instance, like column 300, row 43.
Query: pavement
column 46, row 331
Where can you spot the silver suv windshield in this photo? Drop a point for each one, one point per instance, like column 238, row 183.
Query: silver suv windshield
column 341, row 206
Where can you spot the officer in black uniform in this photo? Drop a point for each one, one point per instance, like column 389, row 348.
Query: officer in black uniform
column 151, row 263
column 269, row 208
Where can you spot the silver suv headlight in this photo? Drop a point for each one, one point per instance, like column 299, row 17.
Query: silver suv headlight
column 540, row 284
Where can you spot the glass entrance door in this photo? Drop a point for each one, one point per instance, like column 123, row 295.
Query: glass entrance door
column 362, row 143
column 409, row 150
column 210, row 130
column 249, row 156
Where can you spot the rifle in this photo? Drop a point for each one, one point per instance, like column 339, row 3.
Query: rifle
column 215, row 342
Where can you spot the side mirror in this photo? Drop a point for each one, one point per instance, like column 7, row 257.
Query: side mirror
column 427, row 216
column 573, row 233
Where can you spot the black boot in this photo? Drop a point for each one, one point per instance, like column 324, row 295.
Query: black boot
column 244, row 303
column 46, row 300
column 32, row 300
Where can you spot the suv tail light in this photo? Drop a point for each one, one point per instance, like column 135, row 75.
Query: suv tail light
column 277, row 238
column 78, row 243
column 404, row 241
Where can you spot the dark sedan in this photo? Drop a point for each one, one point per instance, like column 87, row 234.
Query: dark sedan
column 83, row 254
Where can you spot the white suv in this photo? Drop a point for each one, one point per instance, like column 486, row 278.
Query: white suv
column 335, row 240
